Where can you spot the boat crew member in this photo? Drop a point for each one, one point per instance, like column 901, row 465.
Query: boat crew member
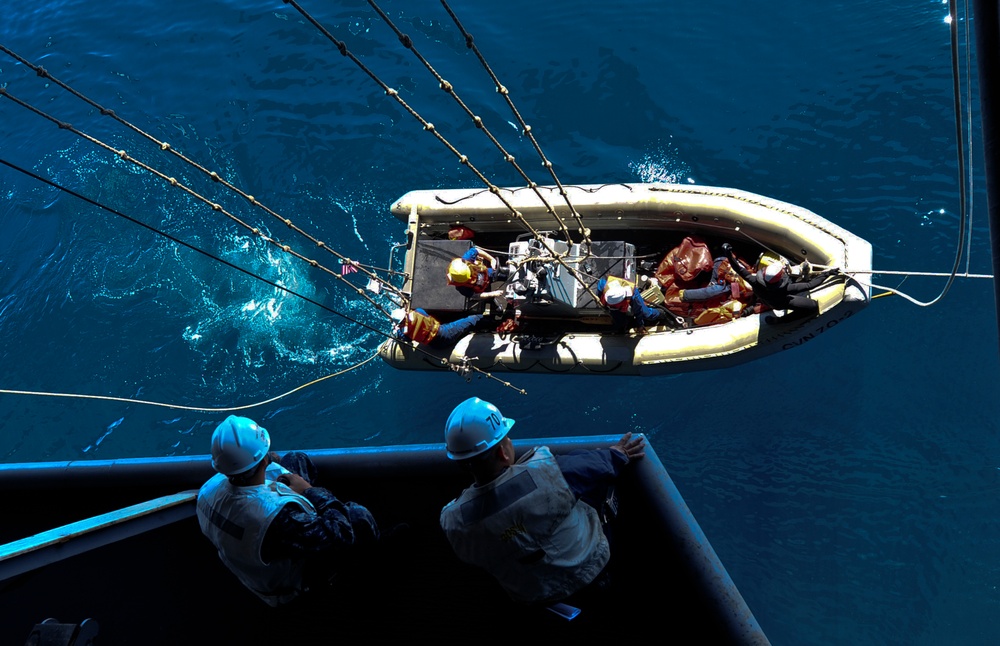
column 473, row 273
column 772, row 285
column 721, row 284
column 273, row 529
column 419, row 326
column 621, row 298
column 534, row 523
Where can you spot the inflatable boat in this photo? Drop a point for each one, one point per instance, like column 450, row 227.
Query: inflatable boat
column 559, row 242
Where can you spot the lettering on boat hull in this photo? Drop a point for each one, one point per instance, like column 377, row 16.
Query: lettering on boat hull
column 817, row 331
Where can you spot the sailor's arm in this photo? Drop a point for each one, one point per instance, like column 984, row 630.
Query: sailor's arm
column 736, row 264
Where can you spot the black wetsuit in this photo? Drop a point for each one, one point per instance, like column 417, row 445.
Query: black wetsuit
column 785, row 294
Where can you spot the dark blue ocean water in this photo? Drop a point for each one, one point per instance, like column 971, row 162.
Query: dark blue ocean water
column 850, row 485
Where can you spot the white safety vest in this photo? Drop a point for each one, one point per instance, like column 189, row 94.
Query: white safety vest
column 235, row 519
column 527, row 529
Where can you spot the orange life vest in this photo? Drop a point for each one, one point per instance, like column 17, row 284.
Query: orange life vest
column 421, row 327
column 479, row 277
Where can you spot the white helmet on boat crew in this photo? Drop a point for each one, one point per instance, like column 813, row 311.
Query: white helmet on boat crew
column 238, row 445
column 616, row 293
column 772, row 273
column 474, row 427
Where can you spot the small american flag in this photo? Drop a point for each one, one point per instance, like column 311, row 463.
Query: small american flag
column 347, row 267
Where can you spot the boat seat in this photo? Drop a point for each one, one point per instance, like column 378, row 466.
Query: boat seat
column 431, row 290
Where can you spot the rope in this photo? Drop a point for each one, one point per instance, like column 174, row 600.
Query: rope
column 407, row 42
column 191, row 408
column 965, row 178
column 962, row 173
column 215, row 177
column 525, row 128
column 912, row 273
column 913, row 300
column 442, row 362
column 429, row 127
column 465, row 369
column 968, row 104
column 188, row 245
column 122, row 154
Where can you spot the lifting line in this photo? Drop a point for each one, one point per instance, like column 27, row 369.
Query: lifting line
column 407, row 42
column 525, row 128
column 186, row 244
column 465, row 368
column 180, row 407
column 215, row 177
column 429, row 127
column 965, row 178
